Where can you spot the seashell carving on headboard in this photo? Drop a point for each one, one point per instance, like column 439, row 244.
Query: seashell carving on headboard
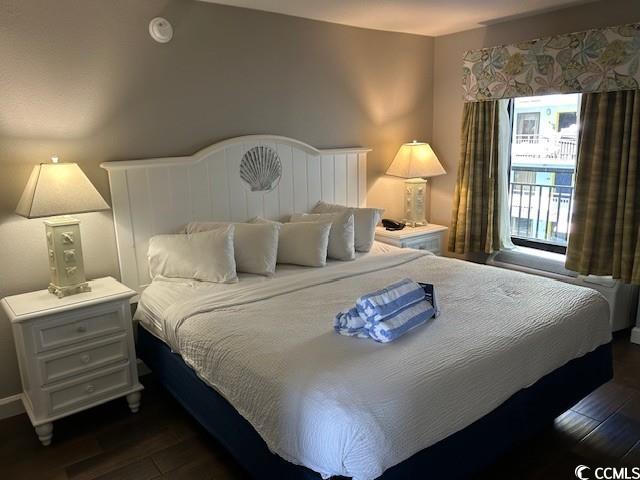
column 261, row 169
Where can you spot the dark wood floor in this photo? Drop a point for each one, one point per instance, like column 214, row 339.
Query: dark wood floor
column 162, row 441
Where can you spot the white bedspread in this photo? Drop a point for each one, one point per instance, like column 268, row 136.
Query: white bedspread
column 354, row 407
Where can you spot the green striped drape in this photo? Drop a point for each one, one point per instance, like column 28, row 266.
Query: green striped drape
column 475, row 219
column 605, row 226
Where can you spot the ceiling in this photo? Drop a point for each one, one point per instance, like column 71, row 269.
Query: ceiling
column 422, row 17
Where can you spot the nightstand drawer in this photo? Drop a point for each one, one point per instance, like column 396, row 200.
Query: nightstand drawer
column 430, row 243
column 81, row 359
column 87, row 390
column 70, row 329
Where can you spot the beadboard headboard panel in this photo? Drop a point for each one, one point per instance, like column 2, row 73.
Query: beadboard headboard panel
column 161, row 195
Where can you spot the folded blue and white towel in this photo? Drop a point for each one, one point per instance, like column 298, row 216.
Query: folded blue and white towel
column 350, row 323
column 382, row 303
column 401, row 322
column 388, row 313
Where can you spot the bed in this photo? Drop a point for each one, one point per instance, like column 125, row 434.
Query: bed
column 257, row 363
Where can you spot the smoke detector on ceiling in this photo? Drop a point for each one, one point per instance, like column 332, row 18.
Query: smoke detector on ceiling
column 161, row 30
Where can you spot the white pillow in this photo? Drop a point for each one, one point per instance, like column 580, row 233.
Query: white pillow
column 206, row 256
column 303, row 243
column 364, row 220
column 255, row 245
column 341, row 236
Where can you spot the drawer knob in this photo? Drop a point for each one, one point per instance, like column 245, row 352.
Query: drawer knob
column 85, row 358
column 81, row 329
column 90, row 388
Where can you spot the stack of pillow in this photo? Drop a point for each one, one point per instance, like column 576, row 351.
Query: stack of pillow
column 216, row 251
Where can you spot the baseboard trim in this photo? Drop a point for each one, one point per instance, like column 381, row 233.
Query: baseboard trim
column 635, row 335
column 11, row 406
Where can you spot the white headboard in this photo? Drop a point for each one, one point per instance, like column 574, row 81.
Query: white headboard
column 160, row 195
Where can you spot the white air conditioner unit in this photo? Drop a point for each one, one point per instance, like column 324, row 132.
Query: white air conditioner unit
column 622, row 298
column 635, row 332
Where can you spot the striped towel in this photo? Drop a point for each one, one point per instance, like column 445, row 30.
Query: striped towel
column 401, row 322
column 382, row 303
column 350, row 323
column 386, row 314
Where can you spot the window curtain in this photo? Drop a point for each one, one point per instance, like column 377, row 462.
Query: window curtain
column 475, row 222
column 605, row 227
column 504, row 165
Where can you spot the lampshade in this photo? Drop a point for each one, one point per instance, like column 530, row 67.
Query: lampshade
column 59, row 189
column 415, row 159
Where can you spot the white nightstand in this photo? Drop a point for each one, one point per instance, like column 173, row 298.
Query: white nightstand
column 74, row 352
column 428, row 237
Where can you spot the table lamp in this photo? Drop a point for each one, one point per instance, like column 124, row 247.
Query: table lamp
column 61, row 189
column 415, row 161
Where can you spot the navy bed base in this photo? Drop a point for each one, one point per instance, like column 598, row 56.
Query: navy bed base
column 524, row 414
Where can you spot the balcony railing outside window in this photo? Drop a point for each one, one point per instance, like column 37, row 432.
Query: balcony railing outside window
column 541, row 212
column 561, row 148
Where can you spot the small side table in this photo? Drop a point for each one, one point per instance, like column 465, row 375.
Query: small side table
column 74, row 352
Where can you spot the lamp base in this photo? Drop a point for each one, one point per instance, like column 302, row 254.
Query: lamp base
column 60, row 291
column 411, row 224
column 414, row 202
column 66, row 264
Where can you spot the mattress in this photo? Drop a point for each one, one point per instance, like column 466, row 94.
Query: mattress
column 352, row 407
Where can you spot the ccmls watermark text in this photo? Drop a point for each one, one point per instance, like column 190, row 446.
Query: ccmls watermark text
column 583, row 472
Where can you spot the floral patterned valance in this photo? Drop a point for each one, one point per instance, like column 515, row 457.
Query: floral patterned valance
column 598, row 60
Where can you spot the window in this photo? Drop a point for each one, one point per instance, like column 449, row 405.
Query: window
column 566, row 120
column 528, row 123
column 542, row 170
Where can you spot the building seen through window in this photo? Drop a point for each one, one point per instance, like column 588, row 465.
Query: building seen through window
column 543, row 164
